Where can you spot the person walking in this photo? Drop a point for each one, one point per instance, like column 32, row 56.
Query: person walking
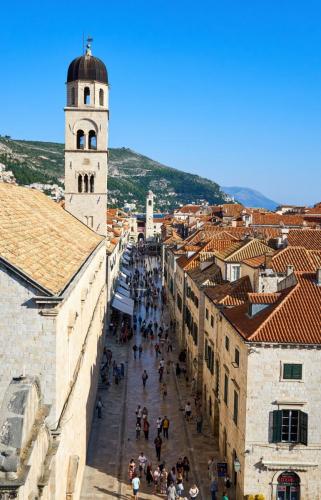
column 224, row 496
column 131, row 470
column 186, row 468
column 161, row 372
column 158, row 447
column 159, row 422
column 211, row 468
column 142, row 461
column 144, row 378
column 99, row 407
column 138, row 429
column 149, row 474
column 156, row 475
column 171, row 492
column 165, row 425
column 188, row 411
column 135, row 350
column 213, row 489
column 140, row 351
column 194, row 491
column 199, row 423
column 180, row 488
column 146, row 428
column 164, row 390
column 135, row 484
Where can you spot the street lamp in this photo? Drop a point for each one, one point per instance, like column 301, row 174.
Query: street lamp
column 237, row 465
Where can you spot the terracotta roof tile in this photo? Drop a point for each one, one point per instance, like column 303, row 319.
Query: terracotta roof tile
column 295, row 317
column 307, row 238
column 41, row 239
column 230, row 294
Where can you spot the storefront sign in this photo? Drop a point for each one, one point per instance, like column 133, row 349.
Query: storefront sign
column 221, row 469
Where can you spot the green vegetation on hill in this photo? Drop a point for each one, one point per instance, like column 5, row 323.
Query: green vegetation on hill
column 130, row 174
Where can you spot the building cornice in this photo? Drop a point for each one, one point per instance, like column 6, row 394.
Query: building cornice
column 297, row 466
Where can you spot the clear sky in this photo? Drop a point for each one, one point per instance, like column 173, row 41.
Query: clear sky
column 228, row 89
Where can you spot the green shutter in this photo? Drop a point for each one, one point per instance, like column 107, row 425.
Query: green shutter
column 292, row 371
column 287, row 371
column 297, row 372
column 303, row 427
column 275, row 426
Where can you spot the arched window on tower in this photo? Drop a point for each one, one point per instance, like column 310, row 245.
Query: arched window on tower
column 72, row 97
column 92, row 183
column 79, row 183
column 80, row 139
column 150, row 203
column 92, row 140
column 86, row 95
column 101, row 97
column 86, row 183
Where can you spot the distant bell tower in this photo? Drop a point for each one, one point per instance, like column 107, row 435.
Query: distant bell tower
column 86, row 140
column 149, row 227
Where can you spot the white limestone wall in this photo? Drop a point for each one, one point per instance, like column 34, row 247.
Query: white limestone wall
column 264, row 389
column 28, row 339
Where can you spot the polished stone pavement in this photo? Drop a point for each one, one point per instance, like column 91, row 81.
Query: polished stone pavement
column 113, row 442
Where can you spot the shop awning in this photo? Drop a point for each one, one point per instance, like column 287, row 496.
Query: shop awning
column 123, row 291
column 126, row 272
column 123, row 304
column 122, row 283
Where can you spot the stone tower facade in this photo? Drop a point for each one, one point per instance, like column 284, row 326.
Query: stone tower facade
column 149, row 227
column 86, row 141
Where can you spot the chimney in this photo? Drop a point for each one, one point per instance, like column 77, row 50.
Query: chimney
column 289, row 269
column 318, row 275
column 268, row 261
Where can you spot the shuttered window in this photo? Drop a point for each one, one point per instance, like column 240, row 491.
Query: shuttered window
column 288, row 426
column 292, row 371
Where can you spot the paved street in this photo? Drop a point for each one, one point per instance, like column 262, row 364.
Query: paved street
column 113, row 442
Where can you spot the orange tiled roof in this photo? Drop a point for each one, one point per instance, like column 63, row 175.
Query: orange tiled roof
column 232, row 209
column 189, row 209
column 255, row 261
column 295, row 317
column 230, row 294
column 263, row 298
column 237, row 252
column 299, row 257
column 307, row 238
column 273, row 219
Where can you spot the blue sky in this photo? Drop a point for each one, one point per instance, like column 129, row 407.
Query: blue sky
column 227, row 89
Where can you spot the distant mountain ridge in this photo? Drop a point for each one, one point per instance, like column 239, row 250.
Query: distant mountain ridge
column 130, row 175
column 250, row 197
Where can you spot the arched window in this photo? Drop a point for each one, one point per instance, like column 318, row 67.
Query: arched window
column 73, row 98
column 92, row 183
column 92, row 140
column 101, row 97
column 150, row 203
column 79, row 183
column 80, row 139
column 86, row 183
column 86, row 95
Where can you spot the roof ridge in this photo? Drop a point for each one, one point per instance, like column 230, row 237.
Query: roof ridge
column 275, row 310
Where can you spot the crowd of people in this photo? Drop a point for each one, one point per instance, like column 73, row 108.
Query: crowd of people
column 151, row 337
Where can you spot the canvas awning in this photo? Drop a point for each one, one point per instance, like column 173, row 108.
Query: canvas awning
column 122, row 303
column 123, row 291
column 126, row 272
column 122, row 282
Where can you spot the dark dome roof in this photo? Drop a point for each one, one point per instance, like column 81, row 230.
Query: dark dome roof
column 87, row 67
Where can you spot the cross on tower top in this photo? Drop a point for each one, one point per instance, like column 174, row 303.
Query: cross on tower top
column 88, row 45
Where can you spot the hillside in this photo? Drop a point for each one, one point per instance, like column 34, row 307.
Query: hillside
column 130, row 176
column 250, row 197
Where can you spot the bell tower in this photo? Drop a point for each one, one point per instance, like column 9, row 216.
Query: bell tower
column 149, row 227
column 86, row 140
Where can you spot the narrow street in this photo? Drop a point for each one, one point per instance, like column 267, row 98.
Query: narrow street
column 113, row 440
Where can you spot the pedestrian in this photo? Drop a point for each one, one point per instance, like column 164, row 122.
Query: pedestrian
column 99, row 407
column 194, row 491
column 135, row 484
column 149, row 475
column 188, row 411
column 164, row 390
column 178, row 370
column 165, row 425
column 180, row 488
column 144, row 378
column 138, row 429
column 145, row 412
column 163, row 481
column 139, row 414
column 211, row 468
column 146, row 428
column 135, row 350
column 158, row 446
column 171, row 492
column 142, row 461
column 131, row 469
column 140, row 351
column 224, row 496
column 156, row 475
column 228, row 482
column 213, row 489
column 199, row 423
column 161, row 372
column 186, row 468
column 159, row 422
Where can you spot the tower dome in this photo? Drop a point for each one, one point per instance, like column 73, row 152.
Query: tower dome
column 87, row 67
